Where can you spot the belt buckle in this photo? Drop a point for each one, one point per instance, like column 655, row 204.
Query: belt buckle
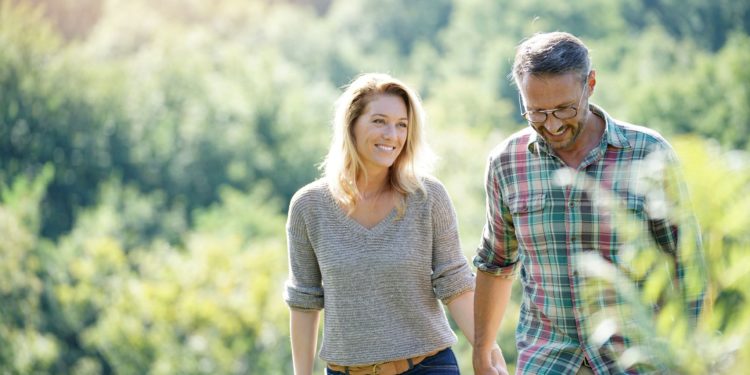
column 375, row 370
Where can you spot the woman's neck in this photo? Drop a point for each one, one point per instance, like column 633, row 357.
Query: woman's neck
column 376, row 184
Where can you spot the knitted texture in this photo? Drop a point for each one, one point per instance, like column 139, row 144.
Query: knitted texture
column 380, row 287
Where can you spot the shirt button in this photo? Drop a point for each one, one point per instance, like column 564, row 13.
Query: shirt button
column 571, row 204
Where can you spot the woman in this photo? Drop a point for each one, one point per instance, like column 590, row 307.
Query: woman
column 375, row 244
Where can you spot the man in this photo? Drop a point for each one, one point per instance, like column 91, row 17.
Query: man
column 553, row 191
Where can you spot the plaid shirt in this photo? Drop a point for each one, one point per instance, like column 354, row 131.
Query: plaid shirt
column 543, row 218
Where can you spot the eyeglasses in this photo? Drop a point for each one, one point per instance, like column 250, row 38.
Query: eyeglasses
column 538, row 117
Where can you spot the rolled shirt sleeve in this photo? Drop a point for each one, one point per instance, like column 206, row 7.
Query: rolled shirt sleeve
column 679, row 234
column 498, row 249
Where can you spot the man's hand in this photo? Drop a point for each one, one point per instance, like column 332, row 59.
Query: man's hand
column 489, row 361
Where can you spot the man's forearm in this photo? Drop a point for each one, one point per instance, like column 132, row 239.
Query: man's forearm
column 490, row 302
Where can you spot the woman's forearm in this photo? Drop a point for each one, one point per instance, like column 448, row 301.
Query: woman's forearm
column 304, row 335
column 462, row 311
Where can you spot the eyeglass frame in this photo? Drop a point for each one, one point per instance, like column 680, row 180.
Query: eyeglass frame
column 546, row 112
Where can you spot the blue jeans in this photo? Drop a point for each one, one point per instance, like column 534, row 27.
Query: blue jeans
column 442, row 363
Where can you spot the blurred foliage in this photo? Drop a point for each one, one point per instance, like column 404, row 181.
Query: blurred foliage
column 666, row 339
column 24, row 347
column 145, row 167
column 707, row 23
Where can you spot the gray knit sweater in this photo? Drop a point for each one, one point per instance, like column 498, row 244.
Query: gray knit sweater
column 379, row 287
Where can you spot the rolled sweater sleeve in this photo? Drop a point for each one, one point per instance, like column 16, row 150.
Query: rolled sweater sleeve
column 303, row 289
column 451, row 272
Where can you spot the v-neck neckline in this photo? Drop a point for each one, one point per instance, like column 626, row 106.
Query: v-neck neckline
column 354, row 225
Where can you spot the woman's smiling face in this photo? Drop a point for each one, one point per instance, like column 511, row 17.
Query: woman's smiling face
column 380, row 132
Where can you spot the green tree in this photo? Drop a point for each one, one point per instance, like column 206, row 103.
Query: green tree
column 24, row 345
column 702, row 94
column 46, row 116
column 708, row 23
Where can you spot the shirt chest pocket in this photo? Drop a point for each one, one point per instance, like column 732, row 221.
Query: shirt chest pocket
column 526, row 204
column 529, row 219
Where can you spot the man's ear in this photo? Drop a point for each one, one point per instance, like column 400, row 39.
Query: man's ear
column 591, row 81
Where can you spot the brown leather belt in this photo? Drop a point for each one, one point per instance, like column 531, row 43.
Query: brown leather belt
column 386, row 368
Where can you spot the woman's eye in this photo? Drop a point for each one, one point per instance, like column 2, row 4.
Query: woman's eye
column 379, row 121
column 402, row 124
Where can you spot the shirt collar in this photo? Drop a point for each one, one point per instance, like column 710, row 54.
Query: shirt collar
column 613, row 134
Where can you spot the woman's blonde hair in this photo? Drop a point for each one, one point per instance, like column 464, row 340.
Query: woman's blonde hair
column 343, row 165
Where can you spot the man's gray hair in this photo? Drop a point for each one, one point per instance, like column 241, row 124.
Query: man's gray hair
column 552, row 53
